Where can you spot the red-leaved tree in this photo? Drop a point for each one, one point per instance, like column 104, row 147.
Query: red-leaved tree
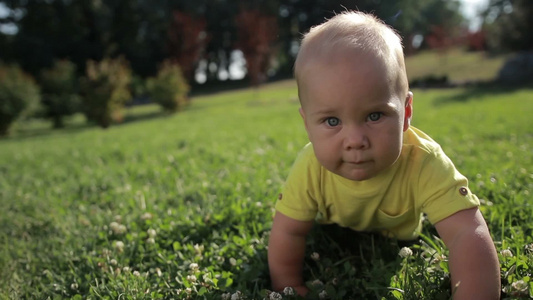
column 187, row 40
column 256, row 35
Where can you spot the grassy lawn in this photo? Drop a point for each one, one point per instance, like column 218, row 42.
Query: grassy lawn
column 458, row 65
column 181, row 206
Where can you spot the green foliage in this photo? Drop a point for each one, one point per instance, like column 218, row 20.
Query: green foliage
column 161, row 209
column 83, row 30
column 508, row 25
column 59, row 90
column 169, row 88
column 106, row 90
column 19, row 95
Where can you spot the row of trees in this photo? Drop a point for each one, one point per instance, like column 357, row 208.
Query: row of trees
column 146, row 32
column 100, row 94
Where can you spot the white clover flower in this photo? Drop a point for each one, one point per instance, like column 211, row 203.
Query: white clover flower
column 275, row 296
column 237, row 296
column 226, row 296
column 207, row 278
column 199, row 249
column 121, row 229
column 317, row 282
column 191, row 278
column 126, row 269
column 118, row 218
column 74, row 286
column 193, row 267
column 113, row 262
column 405, row 252
column 117, row 228
column 119, row 246
column 188, row 291
column 323, row 295
column 151, row 233
column 315, row 256
column 506, row 253
column 150, row 241
column 113, row 225
column 136, row 273
column 519, row 285
column 289, row 291
column 438, row 258
column 146, row 216
column 233, row 261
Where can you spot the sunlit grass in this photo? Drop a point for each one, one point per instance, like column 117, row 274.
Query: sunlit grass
column 181, row 206
column 458, row 65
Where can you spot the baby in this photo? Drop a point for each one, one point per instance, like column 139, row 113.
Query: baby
column 365, row 167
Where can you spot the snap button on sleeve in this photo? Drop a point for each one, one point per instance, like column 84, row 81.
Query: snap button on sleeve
column 463, row 191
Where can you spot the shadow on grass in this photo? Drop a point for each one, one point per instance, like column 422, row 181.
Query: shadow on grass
column 27, row 132
column 143, row 117
column 480, row 90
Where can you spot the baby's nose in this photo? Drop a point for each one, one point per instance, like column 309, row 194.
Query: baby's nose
column 355, row 138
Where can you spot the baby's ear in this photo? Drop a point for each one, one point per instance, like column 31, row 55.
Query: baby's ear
column 408, row 111
column 302, row 113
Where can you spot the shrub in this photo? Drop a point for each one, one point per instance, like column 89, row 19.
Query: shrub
column 169, row 88
column 105, row 90
column 19, row 95
column 60, row 91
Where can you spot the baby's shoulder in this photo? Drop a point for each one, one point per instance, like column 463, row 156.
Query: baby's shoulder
column 420, row 144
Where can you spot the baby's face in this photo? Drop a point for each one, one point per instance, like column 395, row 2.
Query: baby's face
column 354, row 117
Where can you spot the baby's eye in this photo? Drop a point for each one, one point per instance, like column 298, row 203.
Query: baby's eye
column 375, row 116
column 332, row 121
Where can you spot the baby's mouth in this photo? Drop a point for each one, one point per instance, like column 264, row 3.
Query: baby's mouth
column 358, row 162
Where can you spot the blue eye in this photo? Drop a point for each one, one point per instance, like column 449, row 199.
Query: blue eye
column 332, row 121
column 374, row 116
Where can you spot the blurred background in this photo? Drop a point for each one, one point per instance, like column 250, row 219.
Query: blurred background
column 66, row 47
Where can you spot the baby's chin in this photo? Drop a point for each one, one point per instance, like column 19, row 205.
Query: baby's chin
column 356, row 175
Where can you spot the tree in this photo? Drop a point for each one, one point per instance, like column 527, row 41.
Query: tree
column 105, row 90
column 19, row 95
column 508, row 24
column 187, row 40
column 59, row 88
column 256, row 34
column 169, row 88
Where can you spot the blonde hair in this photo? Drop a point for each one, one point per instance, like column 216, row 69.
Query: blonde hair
column 359, row 31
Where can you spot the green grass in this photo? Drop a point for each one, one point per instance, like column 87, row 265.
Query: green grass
column 206, row 181
column 458, row 65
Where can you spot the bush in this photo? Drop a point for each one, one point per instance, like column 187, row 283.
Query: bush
column 169, row 88
column 105, row 90
column 60, row 91
column 19, row 96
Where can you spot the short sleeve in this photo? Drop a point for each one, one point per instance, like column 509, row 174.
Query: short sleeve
column 442, row 190
column 298, row 199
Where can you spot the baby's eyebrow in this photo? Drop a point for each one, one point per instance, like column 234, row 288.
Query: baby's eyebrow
column 383, row 105
column 323, row 112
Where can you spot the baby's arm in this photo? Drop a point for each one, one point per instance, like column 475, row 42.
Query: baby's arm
column 473, row 259
column 286, row 251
